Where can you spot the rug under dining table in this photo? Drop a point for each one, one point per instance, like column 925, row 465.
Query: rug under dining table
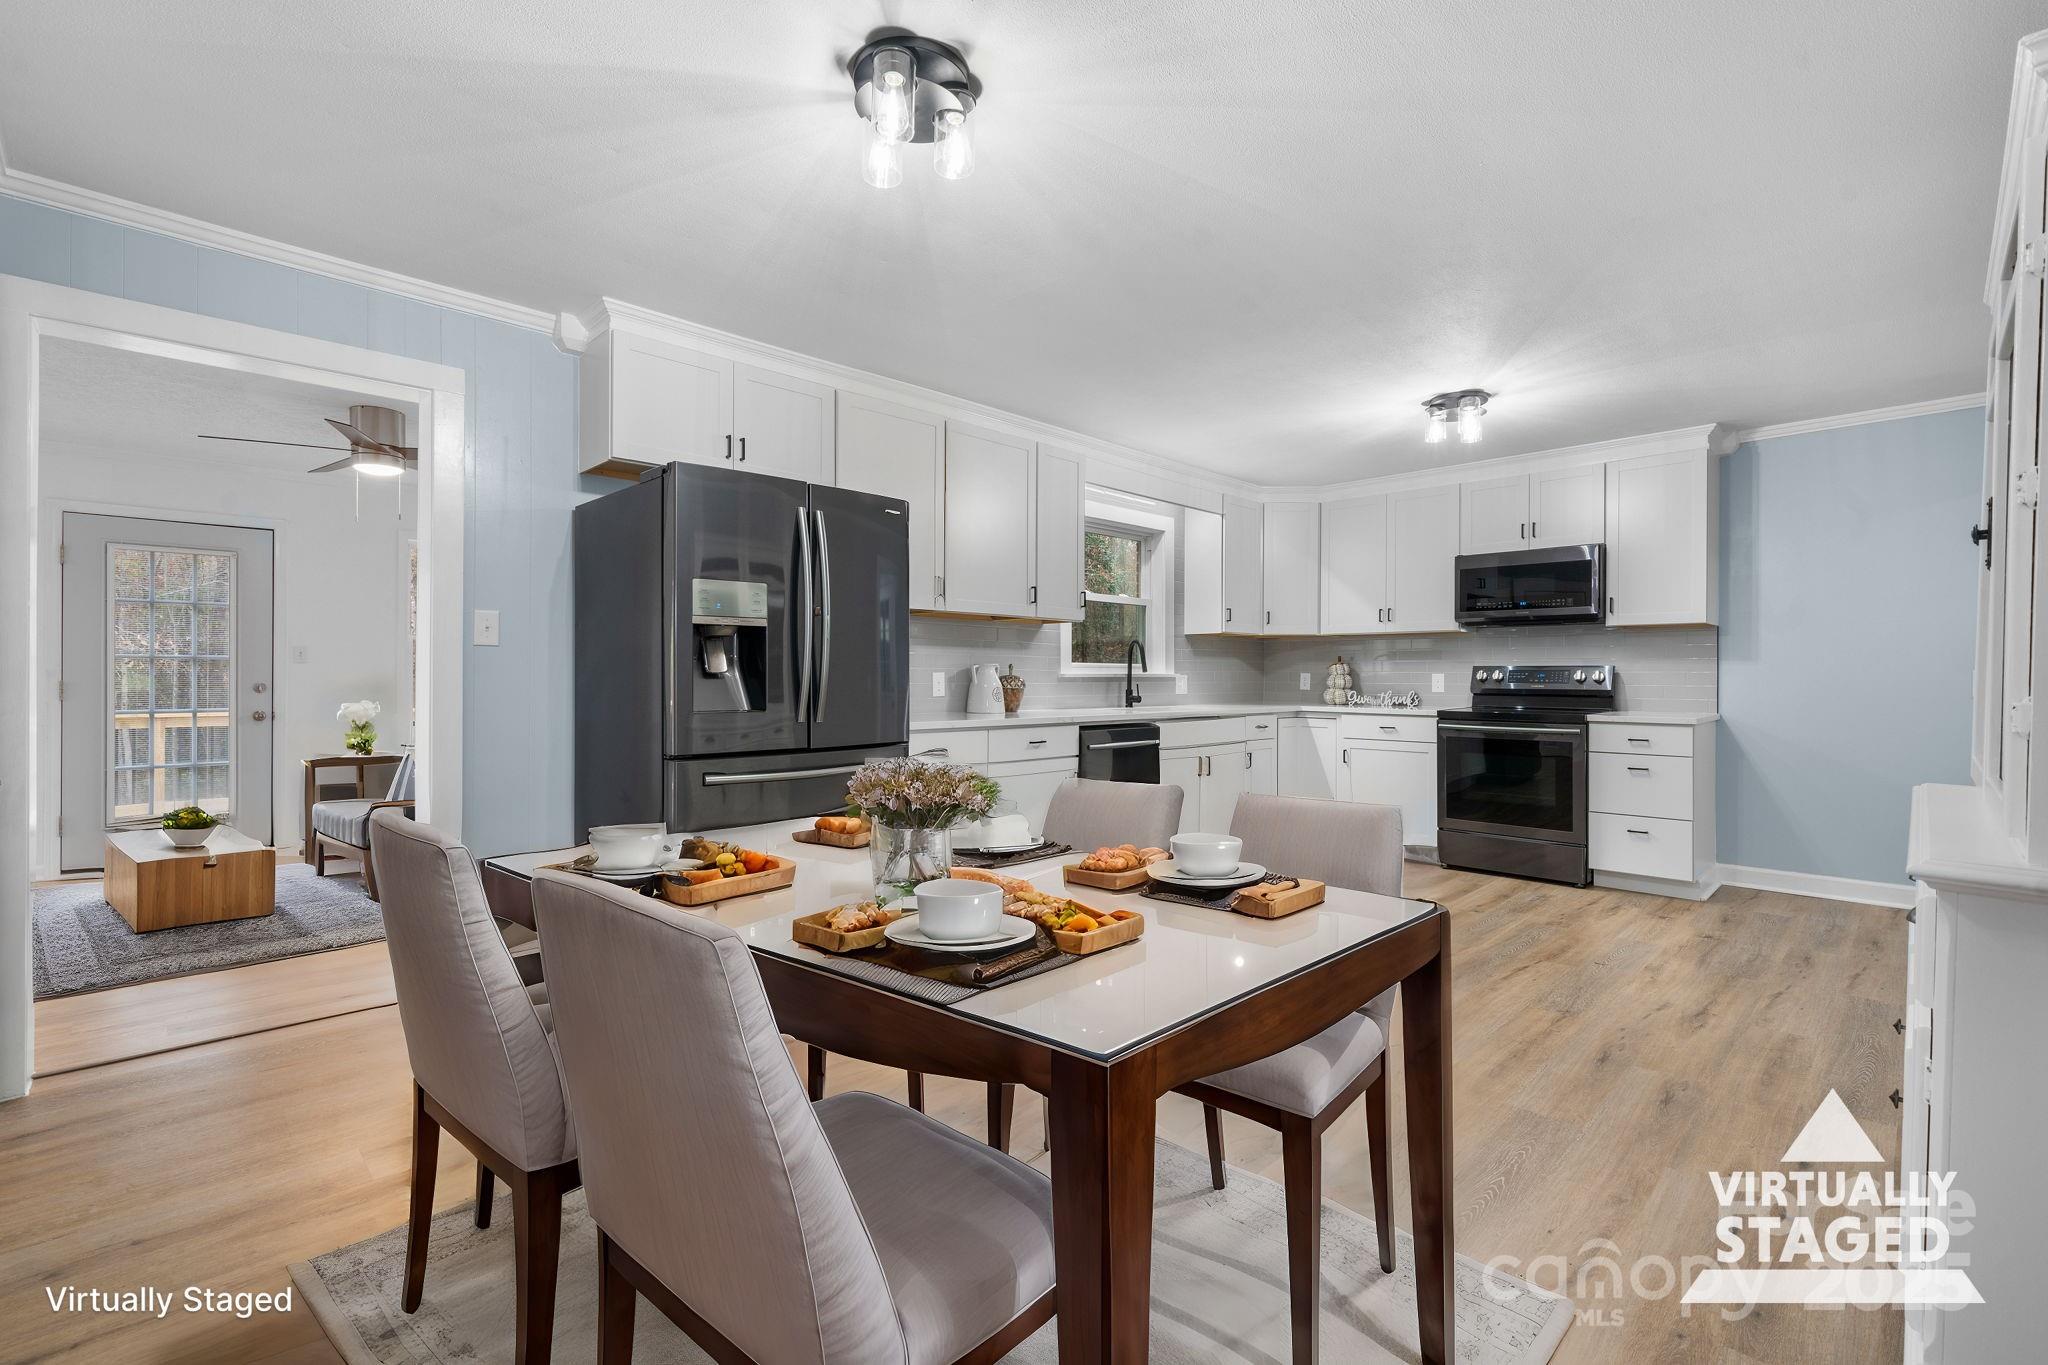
column 1219, row 1290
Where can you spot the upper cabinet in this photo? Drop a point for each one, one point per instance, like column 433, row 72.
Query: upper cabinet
column 1663, row 520
column 1422, row 553
column 1059, row 519
column 1292, row 566
column 989, row 477
column 900, row 452
column 781, row 425
column 1533, row 511
column 1223, row 569
column 1354, row 573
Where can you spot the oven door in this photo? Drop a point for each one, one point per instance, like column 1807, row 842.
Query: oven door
column 1522, row 779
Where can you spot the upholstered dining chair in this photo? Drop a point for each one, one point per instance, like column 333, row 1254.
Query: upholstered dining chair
column 1085, row 814
column 483, row 1064
column 341, row 829
column 1306, row 1088
column 766, row 1227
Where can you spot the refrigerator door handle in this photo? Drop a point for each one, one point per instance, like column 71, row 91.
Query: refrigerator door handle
column 803, row 621
column 824, row 616
column 795, row 775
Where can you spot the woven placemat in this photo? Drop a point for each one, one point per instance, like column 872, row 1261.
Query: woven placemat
column 937, row 978
column 971, row 857
column 1207, row 900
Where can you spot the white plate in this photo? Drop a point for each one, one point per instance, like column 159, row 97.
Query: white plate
column 1015, row 929
column 1167, row 870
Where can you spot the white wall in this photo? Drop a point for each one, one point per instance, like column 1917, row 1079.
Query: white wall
column 340, row 584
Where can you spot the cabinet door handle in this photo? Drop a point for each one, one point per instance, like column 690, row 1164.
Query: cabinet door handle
column 1524, row 532
column 1347, row 758
column 743, row 450
column 728, row 445
column 1610, row 606
column 1269, row 618
column 1247, row 759
column 1034, row 595
column 1532, row 530
column 1226, row 616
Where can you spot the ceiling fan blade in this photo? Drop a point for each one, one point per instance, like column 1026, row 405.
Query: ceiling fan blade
column 338, row 464
column 361, row 439
column 259, row 441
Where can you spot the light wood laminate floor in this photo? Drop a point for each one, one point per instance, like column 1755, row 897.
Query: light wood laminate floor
column 1610, row 1050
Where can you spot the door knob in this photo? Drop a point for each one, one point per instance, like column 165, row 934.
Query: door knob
column 259, row 715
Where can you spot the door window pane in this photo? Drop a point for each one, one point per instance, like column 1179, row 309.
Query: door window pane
column 171, row 632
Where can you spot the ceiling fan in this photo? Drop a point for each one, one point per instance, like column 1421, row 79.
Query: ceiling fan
column 375, row 442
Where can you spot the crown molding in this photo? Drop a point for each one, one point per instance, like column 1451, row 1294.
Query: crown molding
column 1864, row 418
column 56, row 194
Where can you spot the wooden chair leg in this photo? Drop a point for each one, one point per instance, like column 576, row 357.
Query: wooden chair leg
column 369, row 874
column 1376, row 1153
column 917, row 1091
column 537, row 1250
column 616, row 1299
column 426, row 1146
column 319, row 856
column 486, row 1190
column 1002, row 1107
column 814, row 1071
column 1212, row 1121
column 1045, row 1117
column 1301, row 1157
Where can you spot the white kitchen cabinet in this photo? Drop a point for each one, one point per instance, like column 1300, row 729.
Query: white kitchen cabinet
column 1291, row 568
column 988, row 522
column 1494, row 514
column 1305, row 757
column 1183, row 768
column 1059, row 520
column 1568, row 506
column 644, row 401
column 1029, row 784
column 1396, row 773
column 1211, row 778
column 1422, row 551
column 900, row 452
column 1663, row 516
column 1650, row 806
column 1354, row 565
column 781, row 425
column 1263, row 777
column 1243, row 568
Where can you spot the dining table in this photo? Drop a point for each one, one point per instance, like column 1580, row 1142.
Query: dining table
column 1104, row 1035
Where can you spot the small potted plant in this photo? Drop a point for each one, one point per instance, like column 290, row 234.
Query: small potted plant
column 914, row 806
column 189, row 827
column 362, row 736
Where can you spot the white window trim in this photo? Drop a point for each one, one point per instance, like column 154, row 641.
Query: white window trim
column 1162, row 610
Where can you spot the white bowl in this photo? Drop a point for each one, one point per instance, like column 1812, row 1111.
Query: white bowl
column 1207, row 855
column 953, row 909
column 189, row 838
column 628, row 846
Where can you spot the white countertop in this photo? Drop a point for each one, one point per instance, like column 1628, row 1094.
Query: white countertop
column 1654, row 717
column 1200, row 711
column 1188, row 963
column 1957, row 841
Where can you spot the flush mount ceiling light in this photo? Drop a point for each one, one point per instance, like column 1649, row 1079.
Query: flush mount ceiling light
column 1465, row 406
column 910, row 90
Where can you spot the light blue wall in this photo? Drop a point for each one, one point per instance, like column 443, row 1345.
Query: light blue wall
column 520, row 468
column 1848, row 625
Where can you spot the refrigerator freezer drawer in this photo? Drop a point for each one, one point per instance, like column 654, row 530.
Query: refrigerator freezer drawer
column 752, row 789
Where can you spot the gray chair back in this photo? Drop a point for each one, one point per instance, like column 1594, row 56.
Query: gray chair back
column 404, row 779
column 475, row 1041
column 699, row 1149
column 1085, row 814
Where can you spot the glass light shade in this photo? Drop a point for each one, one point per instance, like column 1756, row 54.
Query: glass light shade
column 894, row 82
column 1468, row 423
column 1439, row 427
column 379, row 464
column 882, row 165
column 953, row 157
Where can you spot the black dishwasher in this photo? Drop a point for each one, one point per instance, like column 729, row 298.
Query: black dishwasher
column 1120, row 753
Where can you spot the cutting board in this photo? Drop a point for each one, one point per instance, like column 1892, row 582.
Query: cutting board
column 1264, row 901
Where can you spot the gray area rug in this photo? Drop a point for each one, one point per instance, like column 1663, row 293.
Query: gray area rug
column 81, row 944
column 1219, row 1290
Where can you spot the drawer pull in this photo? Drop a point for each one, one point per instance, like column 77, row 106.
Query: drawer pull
column 1645, row 833
column 1391, row 729
column 1898, row 1026
column 1633, row 739
column 1262, row 727
column 1896, row 1098
column 1034, row 743
column 1634, row 769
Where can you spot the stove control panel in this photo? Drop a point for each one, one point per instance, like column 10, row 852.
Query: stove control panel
column 1551, row 678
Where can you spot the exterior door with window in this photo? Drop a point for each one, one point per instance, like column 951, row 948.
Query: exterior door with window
column 165, row 694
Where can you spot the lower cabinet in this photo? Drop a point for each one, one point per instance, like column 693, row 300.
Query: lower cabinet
column 1650, row 803
column 1263, row 776
column 1211, row 779
column 1029, row 784
column 1396, row 773
column 1305, row 758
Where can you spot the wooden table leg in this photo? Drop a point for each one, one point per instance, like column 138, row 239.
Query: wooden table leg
column 1102, row 1119
column 1426, row 1053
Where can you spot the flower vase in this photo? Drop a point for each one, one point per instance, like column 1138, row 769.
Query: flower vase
column 900, row 857
column 362, row 739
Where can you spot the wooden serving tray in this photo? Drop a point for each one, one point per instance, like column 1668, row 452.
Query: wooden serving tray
column 1108, row 881
column 1094, row 941
column 780, row 872
column 816, row 931
column 828, row 837
column 1263, row 901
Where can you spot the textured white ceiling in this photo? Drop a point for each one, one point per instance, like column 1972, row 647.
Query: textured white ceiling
column 128, row 402
column 1253, row 236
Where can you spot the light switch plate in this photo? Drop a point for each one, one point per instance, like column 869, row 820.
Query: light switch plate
column 1436, row 682
column 938, row 683
column 1304, row 682
column 1180, row 684
column 485, row 629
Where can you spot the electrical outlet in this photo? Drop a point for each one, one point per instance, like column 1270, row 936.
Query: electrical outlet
column 1436, row 682
column 1180, row 684
column 1304, row 682
column 299, row 655
column 938, row 683
column 485, row 631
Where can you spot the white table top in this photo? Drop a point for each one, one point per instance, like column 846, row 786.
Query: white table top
column 1189, row 962
column 150, row 844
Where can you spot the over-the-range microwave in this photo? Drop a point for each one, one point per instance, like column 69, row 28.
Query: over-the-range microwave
column 1560, row 585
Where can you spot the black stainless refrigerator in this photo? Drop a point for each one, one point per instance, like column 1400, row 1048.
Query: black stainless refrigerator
column 742, row 646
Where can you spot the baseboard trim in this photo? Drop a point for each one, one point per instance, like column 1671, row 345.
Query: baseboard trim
column 1894, row 895
column 1660, row 886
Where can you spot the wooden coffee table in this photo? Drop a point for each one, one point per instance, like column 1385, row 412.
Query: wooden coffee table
column 156, row 886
